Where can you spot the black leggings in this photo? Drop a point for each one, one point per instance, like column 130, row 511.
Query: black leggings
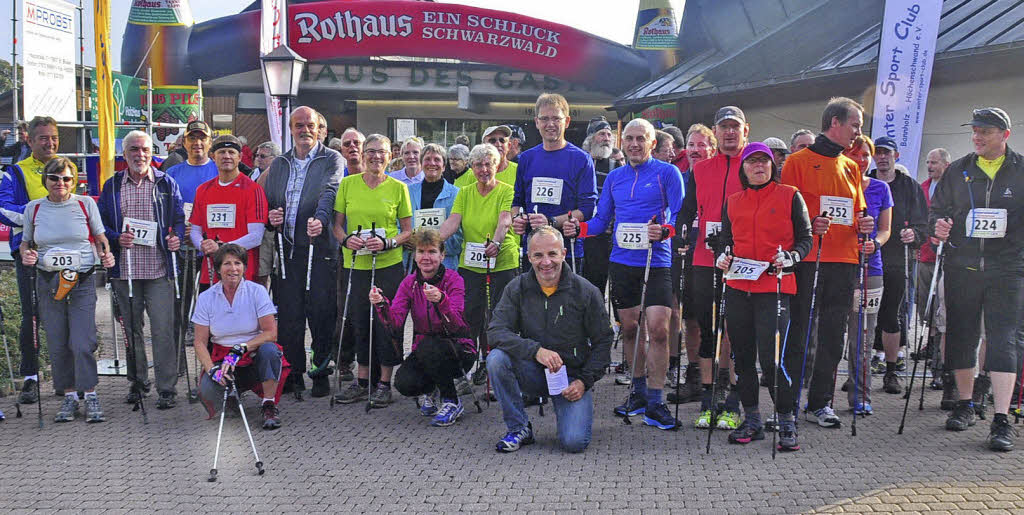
column 705, row 296
column 751, row 325
column 387, row 349
column 890, row 313
column 433, row 364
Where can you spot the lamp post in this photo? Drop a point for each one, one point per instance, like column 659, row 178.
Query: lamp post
column 282, row 72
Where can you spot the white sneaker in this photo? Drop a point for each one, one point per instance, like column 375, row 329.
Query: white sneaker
column 824, row 417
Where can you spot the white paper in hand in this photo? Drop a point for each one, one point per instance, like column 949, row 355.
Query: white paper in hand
column 557, row 381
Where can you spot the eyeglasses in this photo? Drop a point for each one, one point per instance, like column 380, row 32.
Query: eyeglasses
column 68, row 179
column 496, row 140
column 544, row 120
column 375, row 152
column 264, row 156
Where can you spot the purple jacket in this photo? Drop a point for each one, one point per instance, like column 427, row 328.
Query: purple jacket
column 441, row 319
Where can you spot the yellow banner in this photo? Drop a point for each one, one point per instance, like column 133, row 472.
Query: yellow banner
column 104, row 89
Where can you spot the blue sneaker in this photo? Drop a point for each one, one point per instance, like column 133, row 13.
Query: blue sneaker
column 515, row 439
column 659, row 417
column 448, row 414
column 636, row 404
column 428, row 405
column 863, row 409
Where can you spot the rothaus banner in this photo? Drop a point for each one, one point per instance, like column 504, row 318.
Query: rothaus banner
column 49, row 60
column 905, row 59
column 273, row 32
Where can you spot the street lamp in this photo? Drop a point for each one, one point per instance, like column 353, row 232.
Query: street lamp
column 282, row 72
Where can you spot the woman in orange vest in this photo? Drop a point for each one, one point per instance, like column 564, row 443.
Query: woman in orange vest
column 767, row 227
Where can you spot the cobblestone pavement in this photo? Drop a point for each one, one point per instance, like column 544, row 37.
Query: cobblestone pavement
column 390, row 460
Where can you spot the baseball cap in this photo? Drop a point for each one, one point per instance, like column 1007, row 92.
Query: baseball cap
column 497, row 128
column 989, row 117
column 518, row 133
column 776, row 144
column 886, row 142
column 754, row 148
column 197, row 125
column 597, row 124
column 730, row 113
column 226, row 141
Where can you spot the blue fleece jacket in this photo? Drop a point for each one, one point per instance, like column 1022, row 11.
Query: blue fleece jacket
column 571, row 165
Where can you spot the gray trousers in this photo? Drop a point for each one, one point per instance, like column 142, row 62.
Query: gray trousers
column 156, row 297
column 863, row 393
column 266, row 365
column 70, row 326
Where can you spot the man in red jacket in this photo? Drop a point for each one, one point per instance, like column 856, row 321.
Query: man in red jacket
column 942, row 379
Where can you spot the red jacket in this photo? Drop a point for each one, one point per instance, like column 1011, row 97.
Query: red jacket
column 716, row 178
column 927, row 253
column 760, row 221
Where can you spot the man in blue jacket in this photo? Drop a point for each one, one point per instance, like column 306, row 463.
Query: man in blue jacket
column 22, row 182
column 142, row 212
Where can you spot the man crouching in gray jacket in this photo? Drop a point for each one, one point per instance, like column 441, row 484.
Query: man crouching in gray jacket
column 548, row 318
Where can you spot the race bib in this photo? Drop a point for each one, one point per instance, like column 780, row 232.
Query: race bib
column 874, row 300
column 365, row 235
column 144, row 231
column 187, row 207
column 220, row 216
column 475, row 256
column 632, row 236
column 429, row 217
column 986, row 223
column 62, row 259
column 547, row 190
column 709, row 229
column 839, row 209
column 746, row 269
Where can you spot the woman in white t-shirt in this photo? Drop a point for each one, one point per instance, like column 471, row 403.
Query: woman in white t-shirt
column 234, row 322
column 63, row 234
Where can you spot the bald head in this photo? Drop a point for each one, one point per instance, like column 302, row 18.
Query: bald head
column 305, row 126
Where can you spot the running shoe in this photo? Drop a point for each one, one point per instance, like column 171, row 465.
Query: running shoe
column 863, row 409
column 636, row 404
column 877, row 365
column 271, row 415
column 93, row 411
column 513, row 440
column 462, row 386
column 354, row 393
column 428, row 404
column 703, row 420
column 746, row 433
column 68, row 410
column 381, row 396
column 962, row 417
column 728, row 420
column 659, row 417
column 787, row 436
column 1001, row 435
column 901, row 364
column 824, row 417
column 448, row 414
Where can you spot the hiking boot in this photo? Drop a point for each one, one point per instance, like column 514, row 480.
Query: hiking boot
column 448, row 414
column 381, row 396
column 690, row 390
column 428, row 404
column 877, row 365
column 982, row 384
column 480, row 374
column 68, row 410
column 746, row 433
column 787, row 436
column 962, row 417
column 93, row 411
column 636, row 404
column 659, row 417
column 824, row 417
column 28, row 394
column 321, row 386
column 950, row 394
column 1001, row 435
column 513, row 440
column 166, row 400
column 354, row 393
column 891, row 383
column 703, row 420
column 270, row 415
column 728, row 419
column 462, row 386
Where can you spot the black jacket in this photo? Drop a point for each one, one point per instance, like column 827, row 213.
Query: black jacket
column 572, row 322
column 963, row 184
column 319, row 189
column 909, row 209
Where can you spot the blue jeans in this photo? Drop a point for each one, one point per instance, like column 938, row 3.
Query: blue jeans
column 511, row 377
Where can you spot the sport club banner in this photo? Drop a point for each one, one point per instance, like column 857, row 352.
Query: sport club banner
column 273, row 32
column 905, row 58
column 331, row 30
column 49, row 62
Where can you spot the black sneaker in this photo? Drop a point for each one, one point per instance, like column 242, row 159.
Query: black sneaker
column 746, row 433
column 321, row 386
column 270, row 415
column 166, row 400
column 659, row 417
column 1001, row 435
column 636, row 404
column 28, row 394
column 962, row 417
column 891, row 383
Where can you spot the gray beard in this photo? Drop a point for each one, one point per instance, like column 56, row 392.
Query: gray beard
column 601, row 151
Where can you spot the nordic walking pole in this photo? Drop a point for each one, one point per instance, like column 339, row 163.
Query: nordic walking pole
column 487, row 318
column 810, row 325
column 220, row 432
column 174, row 266
column 7, row 354
column 639, row 325
column 451, row 342
column 280, row 254
column 679, row 337
column 128, row 259
column 129, row 355
column 245, row 423
column 778, row 337
column 35, row 332
column 309, row 267
column 714, row 363
column 572, row 247
column 862, row 314
column 373, row 278
column 927, row 328
column 344, row 318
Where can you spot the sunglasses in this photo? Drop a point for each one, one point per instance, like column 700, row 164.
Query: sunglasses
column 496, row 140
column 68, row 179
column 263, row 156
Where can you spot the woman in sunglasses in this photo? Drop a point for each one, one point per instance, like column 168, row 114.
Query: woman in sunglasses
column 63, row 236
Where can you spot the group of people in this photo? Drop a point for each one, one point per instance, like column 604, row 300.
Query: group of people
column 757, row 255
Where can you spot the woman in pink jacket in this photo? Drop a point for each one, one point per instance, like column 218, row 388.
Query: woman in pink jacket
column 441, row 350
